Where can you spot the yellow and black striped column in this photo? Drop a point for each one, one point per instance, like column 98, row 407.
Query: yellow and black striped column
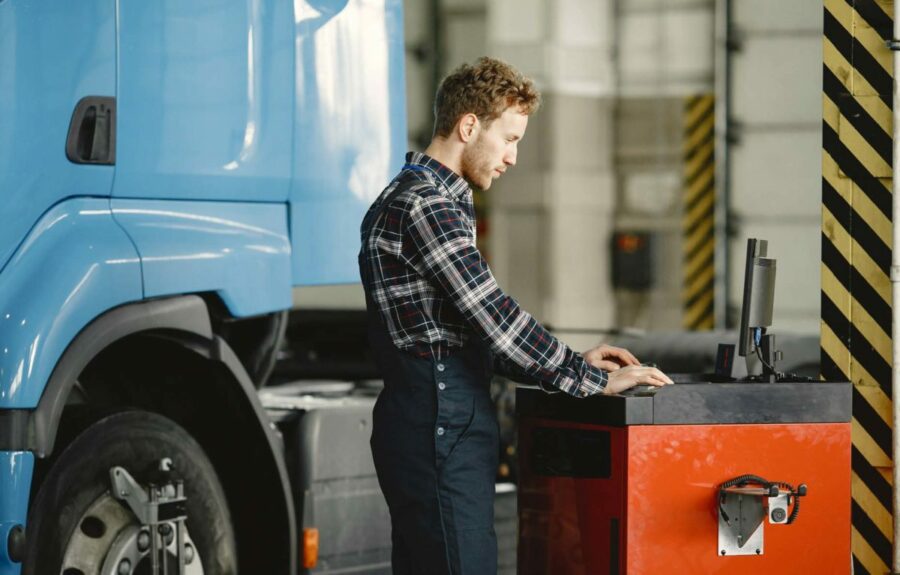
column 699, row 207
column 856, row 254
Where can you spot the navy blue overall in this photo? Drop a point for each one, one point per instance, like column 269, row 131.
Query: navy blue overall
column 435, row 443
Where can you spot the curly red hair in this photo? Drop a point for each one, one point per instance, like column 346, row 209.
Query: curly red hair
column 485, row 89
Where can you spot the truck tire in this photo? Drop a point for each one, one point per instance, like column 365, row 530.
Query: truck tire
column 65, row 515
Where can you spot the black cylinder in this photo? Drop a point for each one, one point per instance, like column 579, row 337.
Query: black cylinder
column 16, row 544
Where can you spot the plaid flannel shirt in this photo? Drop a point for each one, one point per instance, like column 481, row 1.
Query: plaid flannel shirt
column 435, row 292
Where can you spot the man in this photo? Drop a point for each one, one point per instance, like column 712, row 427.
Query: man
column 440, row 326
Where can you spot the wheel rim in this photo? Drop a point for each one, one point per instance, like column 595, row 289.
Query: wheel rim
column 109, row 540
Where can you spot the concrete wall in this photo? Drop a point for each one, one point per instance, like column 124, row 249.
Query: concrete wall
column 552, row 215
column 605, row 151
column 665, row 55
column 418, row 36
column 777, row 159
column 604, row 154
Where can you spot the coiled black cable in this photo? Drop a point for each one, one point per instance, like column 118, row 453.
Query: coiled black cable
column 741, row 480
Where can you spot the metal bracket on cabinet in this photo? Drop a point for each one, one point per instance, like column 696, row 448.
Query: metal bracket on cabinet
column 743, row 508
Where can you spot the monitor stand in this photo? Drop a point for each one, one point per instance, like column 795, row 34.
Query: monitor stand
column 770, row 357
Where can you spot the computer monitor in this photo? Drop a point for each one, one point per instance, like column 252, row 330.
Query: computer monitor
column 756, row 308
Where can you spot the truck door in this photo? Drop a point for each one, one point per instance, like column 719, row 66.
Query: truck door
column 52, row 55
column 350, row 128
column 205, row 100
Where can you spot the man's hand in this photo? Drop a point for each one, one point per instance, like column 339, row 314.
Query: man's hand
column 629, row 376
column 609, row 358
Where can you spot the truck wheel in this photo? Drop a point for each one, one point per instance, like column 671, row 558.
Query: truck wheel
column 76, row 527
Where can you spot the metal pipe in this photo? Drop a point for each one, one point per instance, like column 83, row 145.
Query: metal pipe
column 895, row 295
column 722, row 66
column 179, row 530
column 437, row 45
column 154, row 533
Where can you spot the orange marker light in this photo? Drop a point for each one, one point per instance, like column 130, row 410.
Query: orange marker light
column 310, row 547
column 628, row 243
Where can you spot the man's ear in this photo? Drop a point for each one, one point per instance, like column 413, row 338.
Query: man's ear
column 468, row 127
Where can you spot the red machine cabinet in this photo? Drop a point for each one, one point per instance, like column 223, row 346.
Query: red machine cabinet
column 629, row 484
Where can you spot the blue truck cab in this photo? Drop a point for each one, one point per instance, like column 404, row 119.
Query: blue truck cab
column 169, row 173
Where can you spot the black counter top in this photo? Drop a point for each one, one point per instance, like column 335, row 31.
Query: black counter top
column 697, row 402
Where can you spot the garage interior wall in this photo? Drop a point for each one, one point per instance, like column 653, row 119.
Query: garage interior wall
column 775, row 151
column 551, row 217
column 603, row 155
column 665, row 59
column 605, row 152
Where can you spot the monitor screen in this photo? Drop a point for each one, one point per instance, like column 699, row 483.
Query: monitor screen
column 759, row 296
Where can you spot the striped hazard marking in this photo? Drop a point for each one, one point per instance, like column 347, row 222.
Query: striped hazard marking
column 699, row 206
column 856, row 255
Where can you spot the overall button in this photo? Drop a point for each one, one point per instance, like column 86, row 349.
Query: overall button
column 440, row 367
column 440, row 431
column 442, row 386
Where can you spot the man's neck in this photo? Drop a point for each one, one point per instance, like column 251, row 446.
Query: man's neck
column 445, row 153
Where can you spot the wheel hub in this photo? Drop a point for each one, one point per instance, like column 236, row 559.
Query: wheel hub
column 109, row 540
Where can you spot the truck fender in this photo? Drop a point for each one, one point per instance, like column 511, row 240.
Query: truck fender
column 184, row 319
column 75, row 264
column 186, row 314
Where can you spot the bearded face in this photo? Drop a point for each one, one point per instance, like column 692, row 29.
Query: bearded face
column 493, row 148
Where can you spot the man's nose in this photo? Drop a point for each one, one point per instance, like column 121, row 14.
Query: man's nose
column 510, row 158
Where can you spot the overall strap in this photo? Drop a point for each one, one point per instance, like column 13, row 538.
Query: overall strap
column 378, row 335
column 372, row 217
